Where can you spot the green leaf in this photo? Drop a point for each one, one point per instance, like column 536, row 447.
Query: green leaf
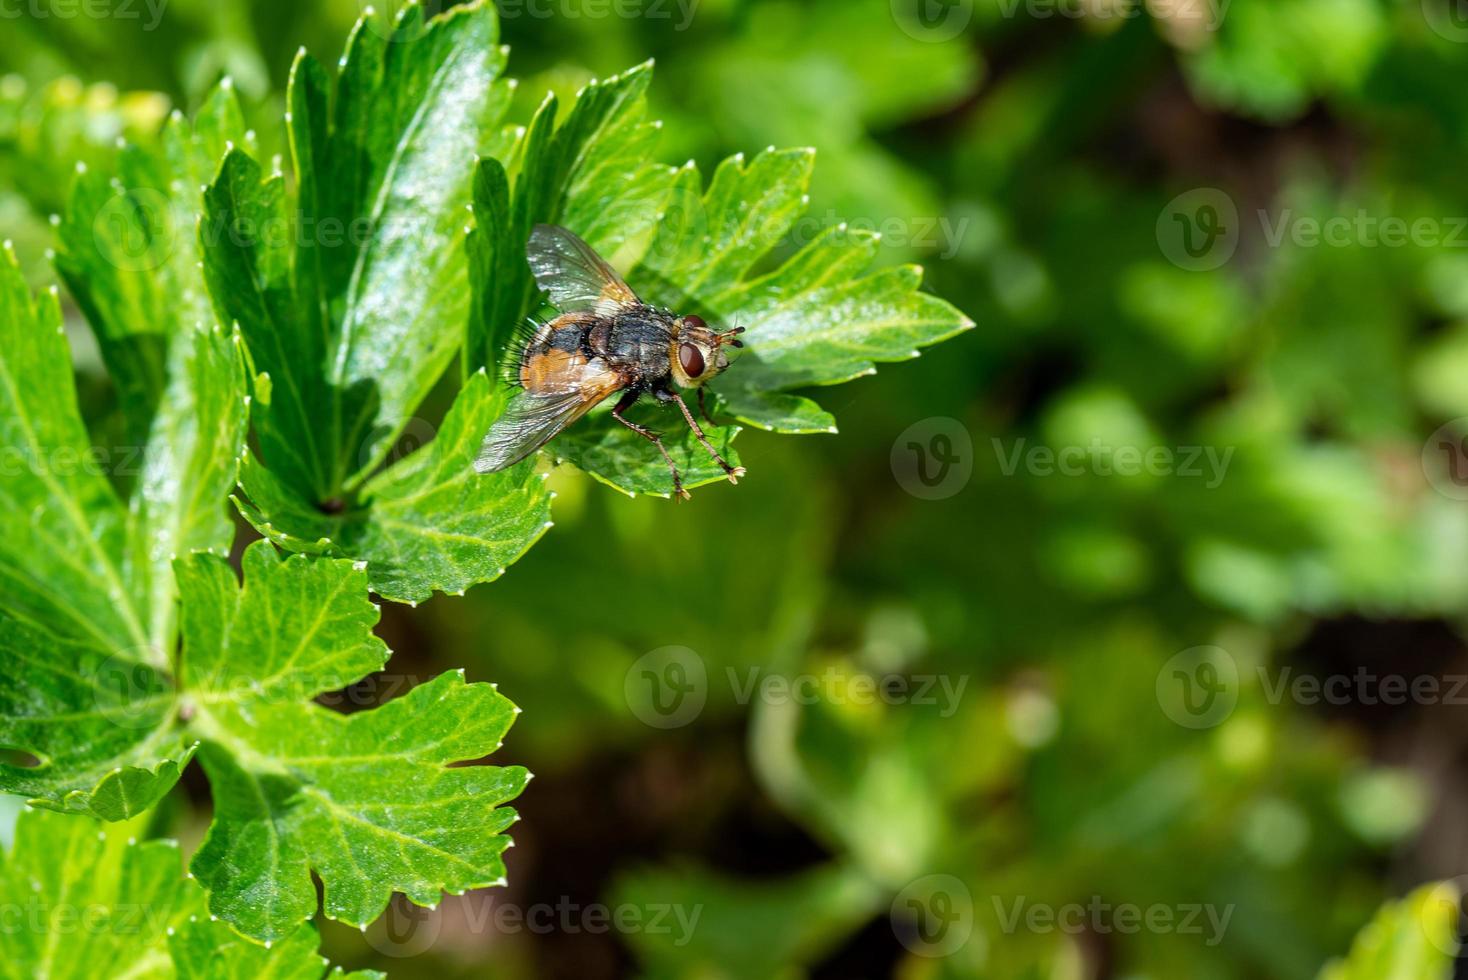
column 190, row 464
column 129, row 255
column 100, row 904
column 97, row 724
column 1412, row 939
column 367, row 800
column 90, row 603
column 356, row 321
column 66, row 572
column 104, row 904
column 126, row 250
column 818, row 319
column 592, row 172
column 206, row 950
column 353, row 333
column 297, row 628
column 624, row 460
column 428, row 521
column 776, row 412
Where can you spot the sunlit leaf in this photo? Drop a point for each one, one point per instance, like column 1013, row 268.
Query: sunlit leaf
column 366, row 800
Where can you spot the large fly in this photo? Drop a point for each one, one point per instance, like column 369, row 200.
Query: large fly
column 605, row 341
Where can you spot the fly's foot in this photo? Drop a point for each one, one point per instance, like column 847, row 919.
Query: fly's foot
column 680, row 494
column 734, row 472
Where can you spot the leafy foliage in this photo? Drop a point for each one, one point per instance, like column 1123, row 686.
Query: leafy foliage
column 91, row 606
column 96, row 723
column 315, row 313
column 353, row 326
column 1411, row 939
column 100, row 902
column 365, row 799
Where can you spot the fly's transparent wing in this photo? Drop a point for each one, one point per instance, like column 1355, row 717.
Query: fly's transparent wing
column 577, row 279
column 534, row 417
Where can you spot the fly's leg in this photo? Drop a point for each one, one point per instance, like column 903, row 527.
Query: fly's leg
column 733, row 472
column 652, row 437
column 703, row 408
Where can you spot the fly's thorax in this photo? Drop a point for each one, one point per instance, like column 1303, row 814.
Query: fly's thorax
column 638, row 340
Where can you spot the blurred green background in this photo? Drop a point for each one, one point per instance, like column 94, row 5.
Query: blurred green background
column 1226, row 239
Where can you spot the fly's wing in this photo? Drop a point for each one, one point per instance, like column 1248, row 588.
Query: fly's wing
column 565, row 390
column 577, row 279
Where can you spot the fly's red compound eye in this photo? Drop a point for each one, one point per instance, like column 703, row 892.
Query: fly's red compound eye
column 691, row 358
column 694, row 323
